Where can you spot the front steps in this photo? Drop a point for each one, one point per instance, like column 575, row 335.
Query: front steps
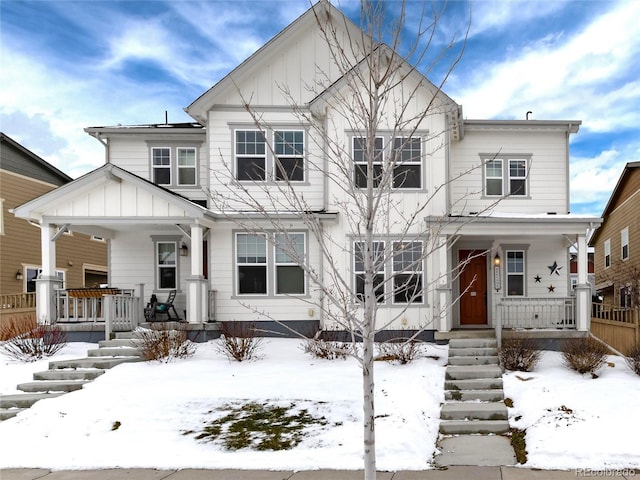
column 66, row 376
column 474, row 415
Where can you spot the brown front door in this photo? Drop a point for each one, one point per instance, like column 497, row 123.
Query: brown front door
column 473, row 287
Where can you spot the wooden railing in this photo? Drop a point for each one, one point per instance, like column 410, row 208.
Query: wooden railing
column 617, row 327
column 84, row 304
column 17, row 307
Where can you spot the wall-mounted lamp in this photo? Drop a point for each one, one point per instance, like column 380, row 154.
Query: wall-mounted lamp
column 497, row 279
column 496, row 260
column 19, row 275
column 184, row 250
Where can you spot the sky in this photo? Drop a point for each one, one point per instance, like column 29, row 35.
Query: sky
column 67, row 64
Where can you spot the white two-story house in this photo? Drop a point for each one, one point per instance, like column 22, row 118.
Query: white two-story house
column 273, row 157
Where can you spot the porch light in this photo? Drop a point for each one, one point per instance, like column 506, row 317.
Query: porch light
column 496, row 260
column 19, row 275
column 497, row 281
column 184, row 250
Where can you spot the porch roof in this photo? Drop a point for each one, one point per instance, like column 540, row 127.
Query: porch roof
column 515, row 224
column 110, row 199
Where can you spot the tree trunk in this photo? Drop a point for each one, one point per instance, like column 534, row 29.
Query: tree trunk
column 368, row 404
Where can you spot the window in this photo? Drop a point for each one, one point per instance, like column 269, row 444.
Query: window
column 186, row 166
column 32, row 273
column 359, row 255
column 250, row 155
column 289, row 253
column 408, row 170
column 607, row 253
column 361, row 163
column 251, row 260
column 505, row 176
column 166, row 265
column 161, row 160
column 407, row 272
column 289, row 150
column 625, row 297
column 515, row 273
column 624, row 243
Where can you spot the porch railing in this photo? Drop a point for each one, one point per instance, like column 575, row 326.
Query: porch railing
column 544, row 313
column 84, row 304
column 122, row 313
column 212, row 306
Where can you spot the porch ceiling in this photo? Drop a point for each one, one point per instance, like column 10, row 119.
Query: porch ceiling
column 517, row 226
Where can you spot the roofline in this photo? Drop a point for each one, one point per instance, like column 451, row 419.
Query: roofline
column 571, row 126
column 154, row 129
column 6, row 138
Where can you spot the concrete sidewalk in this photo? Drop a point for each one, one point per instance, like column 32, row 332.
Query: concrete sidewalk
column 451, row 473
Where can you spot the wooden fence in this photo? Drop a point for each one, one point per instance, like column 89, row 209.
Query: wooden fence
column 617, row 327
column 17, row 308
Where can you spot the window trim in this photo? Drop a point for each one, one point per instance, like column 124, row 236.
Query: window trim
column 624, row 243
column 607, row 253
column 506, row 177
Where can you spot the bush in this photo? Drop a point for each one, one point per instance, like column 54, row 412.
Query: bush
column 319, row 347
column 519, row 354
column 39, row 342
column 239, row 341
column 399, row 350
column 15, row 327
column 633, row 359
column 164, row 344
column 584, row 355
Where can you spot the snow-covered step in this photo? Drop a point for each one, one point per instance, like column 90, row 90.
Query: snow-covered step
column 96, row 362
column 464, row 372
column 24, row 400
column 52, row 386
column 473, row 384
column 114, row 352
column 473, row 343
column 472, row 352
column 7, row 413
column 489, row 395
column 118, row 342
column 473, row 360
column 478, row 427
column 69, row 374
column 474, row 411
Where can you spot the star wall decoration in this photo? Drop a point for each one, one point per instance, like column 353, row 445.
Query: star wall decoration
column 537, row 278
column 554, row 269
column 551, row 288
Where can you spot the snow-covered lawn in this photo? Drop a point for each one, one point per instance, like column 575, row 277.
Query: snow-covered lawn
column 572, row 421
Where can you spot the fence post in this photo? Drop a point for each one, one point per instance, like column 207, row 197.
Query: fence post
column 108, row 316
column 498, row 325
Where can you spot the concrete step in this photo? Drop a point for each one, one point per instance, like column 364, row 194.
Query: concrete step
column 473, row 343
column 475, row 450
column 474, row 384
column 474, row 411
column 52, row 386
column 7, row 413
column 472, row 352
column 496, row 395
column 95, row 362
column 473, row 360
column 114, row 352
column 118, row 342
column 24, row 400
column 72, row 374
column 458, row 427
column 464, row 372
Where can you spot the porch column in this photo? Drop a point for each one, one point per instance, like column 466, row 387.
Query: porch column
column 47, row 282
column 443, row 285
column 583, row 290
column 196, row 283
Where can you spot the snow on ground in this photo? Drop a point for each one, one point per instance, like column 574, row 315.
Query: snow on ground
column 572, row 421
column 576, row 421
column 157, row 403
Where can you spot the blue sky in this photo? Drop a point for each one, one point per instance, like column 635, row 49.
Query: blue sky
column 66, row 65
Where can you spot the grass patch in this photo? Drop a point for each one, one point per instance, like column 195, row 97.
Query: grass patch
column 519, row 444
column 261, row 426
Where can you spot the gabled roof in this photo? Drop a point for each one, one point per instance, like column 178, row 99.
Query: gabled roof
column 37, row 160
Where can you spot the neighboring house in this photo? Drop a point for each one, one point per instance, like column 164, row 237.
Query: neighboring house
column 573, row 266
column 617, row 243
column 81, row 259
column 509, row 213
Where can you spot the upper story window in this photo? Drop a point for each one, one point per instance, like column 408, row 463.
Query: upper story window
column 505, row 176
column 255, row 161
column 174, row 166
column 607, row 253
column 406, row 158
column 624, row 243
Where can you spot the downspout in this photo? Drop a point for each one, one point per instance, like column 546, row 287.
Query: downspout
column 568, row 182
column 325, row 206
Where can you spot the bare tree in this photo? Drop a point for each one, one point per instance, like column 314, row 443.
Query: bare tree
column 377, row 90
column 625, row 277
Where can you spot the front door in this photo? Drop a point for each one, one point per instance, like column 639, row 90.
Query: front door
column 473, row 287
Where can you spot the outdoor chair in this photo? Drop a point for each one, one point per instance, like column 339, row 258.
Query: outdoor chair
column 155, row 308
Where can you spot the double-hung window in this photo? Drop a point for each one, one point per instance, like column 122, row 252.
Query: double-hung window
column 251, row 155
column 32, row 273
column 624, row 244
column 505, row 176
column 515, row 273
column 377, row 257
column 167, row 264
column 607, row 253
column 361, row 156
column 289, row 255
column 186, row 166
column 407, row 172
column 407, row 272
column 161, row 162
column 174, row 165
column 251, row 260
column 289, row 155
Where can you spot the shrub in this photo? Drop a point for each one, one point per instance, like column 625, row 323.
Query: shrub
column 39, row 342
column 164, row 344
column 319, row 347
column 16, row 326
column 633, row 359
column 238, row 341
column 584, row 355
column 399, row 350
column 519, row 354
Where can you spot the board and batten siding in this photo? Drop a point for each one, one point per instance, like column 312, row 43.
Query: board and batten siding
column 547, row 185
